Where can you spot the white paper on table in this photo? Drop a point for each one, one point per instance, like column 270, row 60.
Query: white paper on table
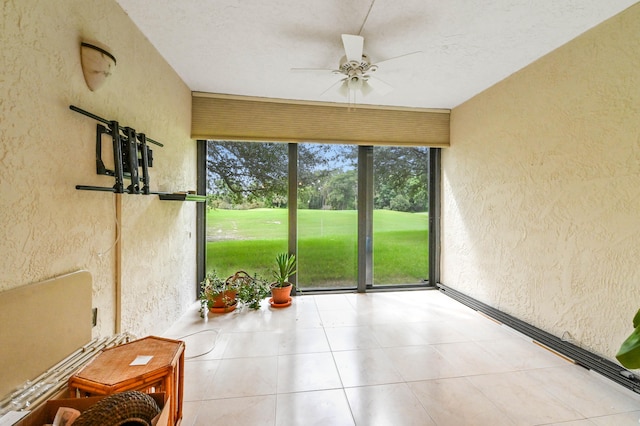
column 141, row 360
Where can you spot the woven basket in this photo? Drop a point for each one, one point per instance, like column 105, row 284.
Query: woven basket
column 126, row 408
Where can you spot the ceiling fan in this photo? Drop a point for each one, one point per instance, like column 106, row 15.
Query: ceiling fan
column 356, row 70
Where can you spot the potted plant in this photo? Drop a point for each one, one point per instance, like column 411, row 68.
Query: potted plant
column 629, row 353
column 221, row 296
column 217, row 295
column 251, row 290
column 281, row 288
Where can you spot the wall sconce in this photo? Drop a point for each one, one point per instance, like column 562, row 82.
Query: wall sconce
column 97, row 64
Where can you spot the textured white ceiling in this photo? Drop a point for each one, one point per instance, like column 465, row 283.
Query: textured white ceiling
column 247, row 47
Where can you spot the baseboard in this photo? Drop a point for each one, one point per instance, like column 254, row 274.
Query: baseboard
column 578, row 355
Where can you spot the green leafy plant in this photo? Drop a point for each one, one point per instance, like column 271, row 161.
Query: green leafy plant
column 285, row 267
column 238, row 288
column 211, row 287
column 629, row 353
column 251, row 290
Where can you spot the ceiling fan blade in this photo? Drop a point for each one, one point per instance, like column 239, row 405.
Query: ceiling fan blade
column 379, row 86
column 341, row 81
column 316, row 70
column 419, row 52
column 344, row 89
column 353, row 45
column 366, row 88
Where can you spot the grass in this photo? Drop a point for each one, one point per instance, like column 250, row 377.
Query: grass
column 327, row 245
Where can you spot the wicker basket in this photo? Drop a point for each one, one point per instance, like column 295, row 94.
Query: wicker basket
column 126, row 408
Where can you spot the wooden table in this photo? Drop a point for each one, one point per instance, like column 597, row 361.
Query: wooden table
column 112, row 371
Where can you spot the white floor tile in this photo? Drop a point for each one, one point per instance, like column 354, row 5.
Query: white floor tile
column 524, row 400
column 481, row 328
column 439, row 332
column 455, row 402
column 306, row 319
column 590, row 395
column 366, row 367
column 252, row 344
column 328, row 407
column 469, row 359
column 198, row 376
column 332, row 302
column 420, row 363
column 351, row 338
column 522, row 354
column 339, row 318
column 306, row 372
column 190, row 412
column 585, row 422
column 205, row 344
column 248, row 411
column 389, row 358
column 624, row 419
column 239, row 377
column 390, row 335
column 383, row 405
column 300, row 341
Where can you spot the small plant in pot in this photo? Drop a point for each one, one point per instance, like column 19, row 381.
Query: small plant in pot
column 281, row 288
column 217, row 295
column 221, row 296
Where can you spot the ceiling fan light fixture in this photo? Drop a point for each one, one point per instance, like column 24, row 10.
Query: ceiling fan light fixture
column 344, row 89
column 354, row 82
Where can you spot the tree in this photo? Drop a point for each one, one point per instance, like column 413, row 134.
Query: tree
column 400, row 203
column 402, row 171
column 256, row 173
column 341, row 191
column 245, row 171
column 317, row 164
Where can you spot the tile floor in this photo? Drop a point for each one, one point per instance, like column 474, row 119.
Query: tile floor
column 401, row 358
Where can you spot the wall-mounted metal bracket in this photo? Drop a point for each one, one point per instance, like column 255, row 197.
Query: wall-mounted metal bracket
column 130, row 152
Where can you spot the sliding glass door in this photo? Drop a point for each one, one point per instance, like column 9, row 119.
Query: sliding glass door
column 400, row 216
column 356, row 217
column 246, row 218
column 327, row 216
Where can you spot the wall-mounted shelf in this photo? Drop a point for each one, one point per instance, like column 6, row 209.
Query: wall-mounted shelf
column 180, row 196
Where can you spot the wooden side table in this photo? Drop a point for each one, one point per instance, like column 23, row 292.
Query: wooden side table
column 123, row 368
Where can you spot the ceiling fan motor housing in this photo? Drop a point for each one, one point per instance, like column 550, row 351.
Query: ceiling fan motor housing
column 363, row 66
column 356, row 72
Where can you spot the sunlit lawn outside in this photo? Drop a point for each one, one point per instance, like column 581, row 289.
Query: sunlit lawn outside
column 250, row 239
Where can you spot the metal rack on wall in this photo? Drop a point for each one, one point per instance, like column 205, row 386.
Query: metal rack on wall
column 132, row 158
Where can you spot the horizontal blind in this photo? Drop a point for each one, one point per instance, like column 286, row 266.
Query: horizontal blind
column 226, row 117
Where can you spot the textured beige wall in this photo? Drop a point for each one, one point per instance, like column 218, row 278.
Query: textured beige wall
column 48, row 227
column 541, row 190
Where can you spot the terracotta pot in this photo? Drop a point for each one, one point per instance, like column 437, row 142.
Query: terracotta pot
column 281, row 295
column 224, row 302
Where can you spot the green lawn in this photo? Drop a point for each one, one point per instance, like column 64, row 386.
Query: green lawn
column 250, row 239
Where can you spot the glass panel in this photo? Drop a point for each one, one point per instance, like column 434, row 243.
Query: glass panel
column 327, row 216
column 246, row 207
column 400, row 217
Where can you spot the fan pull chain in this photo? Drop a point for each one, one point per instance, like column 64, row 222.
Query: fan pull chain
column 352, row 100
